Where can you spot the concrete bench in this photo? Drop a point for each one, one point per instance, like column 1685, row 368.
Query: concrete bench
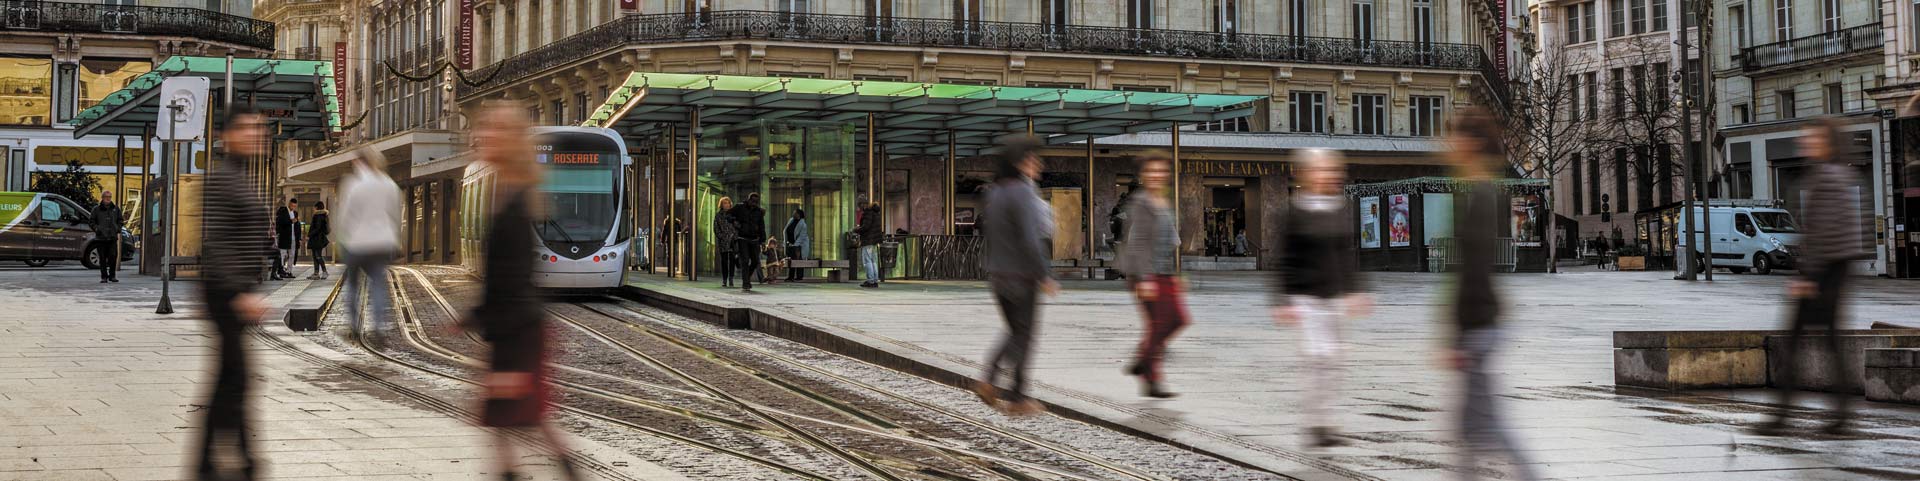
column 1813, row 369
column 1893, row 375
column 836, row 274
column 304, row 313
column 1091, row 269
column 1681, row 360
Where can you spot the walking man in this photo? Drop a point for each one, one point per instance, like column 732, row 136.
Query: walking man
column 107, row 219
column 235, row 215
column 369, row 219
column 1834, row 225
column 1319, row 279
column 286, row 229
column 867, row 228
column 750, row 223
column 1018, row 228
column 1475, row 149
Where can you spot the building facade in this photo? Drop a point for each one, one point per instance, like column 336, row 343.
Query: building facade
column 1898, row 98
column 1782, row 63
column 1625, row 71
column 59, row 58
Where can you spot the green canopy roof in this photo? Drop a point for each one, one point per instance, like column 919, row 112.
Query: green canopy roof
column 910, row 117
column 298, row 95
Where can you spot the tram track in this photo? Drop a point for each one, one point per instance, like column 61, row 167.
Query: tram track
column 773, row 416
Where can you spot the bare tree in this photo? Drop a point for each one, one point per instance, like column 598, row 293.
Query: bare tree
column 1643, row 116
column 1548, row 128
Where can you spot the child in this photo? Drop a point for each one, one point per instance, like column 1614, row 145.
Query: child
column 771, row 268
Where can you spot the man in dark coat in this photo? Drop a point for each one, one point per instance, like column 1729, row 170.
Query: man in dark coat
column 750, row 222
column 230, row 269
column 867, row 228
column 106, row 236
column 286, row 221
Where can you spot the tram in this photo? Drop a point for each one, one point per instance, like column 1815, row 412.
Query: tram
column 582, row 242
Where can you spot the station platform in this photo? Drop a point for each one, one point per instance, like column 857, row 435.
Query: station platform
column 1242, row 379
column 95, row 386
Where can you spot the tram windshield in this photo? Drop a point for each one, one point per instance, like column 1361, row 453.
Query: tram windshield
column 580, row 187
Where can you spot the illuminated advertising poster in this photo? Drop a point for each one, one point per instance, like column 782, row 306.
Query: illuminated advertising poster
column 1369, row 222
column 1526, row 220
column 1399, row 221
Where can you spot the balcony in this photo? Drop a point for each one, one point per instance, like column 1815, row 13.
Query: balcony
column 672, row 28
column 62, row 17
column 308, row 53
column 1810, row 50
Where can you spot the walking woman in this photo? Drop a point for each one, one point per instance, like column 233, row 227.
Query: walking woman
column 317, row 231
column 1319, row 279
column 1018, row 226
column 799, row 240
column 1147, row 258
column 1476, row 151
column 725, row 233
column 510, row 316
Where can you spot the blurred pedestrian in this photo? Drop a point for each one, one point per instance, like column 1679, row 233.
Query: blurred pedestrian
column 369, row 233
column 1474, row 149
column 286, row 232
column 317, row 232
column 107, row 222
column 1319, row 279
column 510, row 315
column 1018, row 227
column 1834, row 227
column 799, row 241
column 1147, row 256
column 233, row 214
column 725, row 232
column 751, row 222
column 867, row 228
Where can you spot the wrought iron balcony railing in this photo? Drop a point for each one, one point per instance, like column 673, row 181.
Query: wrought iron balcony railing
column 1836, row 44
column 927, row 32
column 63, row 17
column 308, row 53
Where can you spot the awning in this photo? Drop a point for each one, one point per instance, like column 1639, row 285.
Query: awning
column 909, row 117
column 298, row 96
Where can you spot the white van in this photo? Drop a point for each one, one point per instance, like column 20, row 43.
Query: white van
column 1748, row 238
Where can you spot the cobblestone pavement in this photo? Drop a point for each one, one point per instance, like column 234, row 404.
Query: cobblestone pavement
column 94, row 386
column 1241, row 378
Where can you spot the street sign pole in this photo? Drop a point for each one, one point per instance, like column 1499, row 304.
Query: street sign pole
column 168, row 202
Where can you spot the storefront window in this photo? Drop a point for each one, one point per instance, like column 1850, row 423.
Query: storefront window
column 100, row 77
column 26, row 90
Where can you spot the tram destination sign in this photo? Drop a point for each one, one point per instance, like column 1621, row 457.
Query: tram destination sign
column 574, row 158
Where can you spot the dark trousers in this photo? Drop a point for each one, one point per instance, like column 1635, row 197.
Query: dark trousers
column 1018, row 301
column 109, row 257
column 749, row 260
column 1166, row 315
column 726, row 260
column 793, row 273
column 1821, row 310
column 224, row 424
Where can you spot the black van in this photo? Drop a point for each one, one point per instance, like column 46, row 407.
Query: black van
column 38, row 228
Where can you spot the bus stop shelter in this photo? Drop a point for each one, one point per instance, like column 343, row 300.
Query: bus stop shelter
column 886, row 119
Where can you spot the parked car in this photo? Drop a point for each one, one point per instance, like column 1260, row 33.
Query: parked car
column 37, row 229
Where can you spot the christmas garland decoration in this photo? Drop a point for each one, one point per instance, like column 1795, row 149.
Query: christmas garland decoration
column 1442, row 185
column 444, row 66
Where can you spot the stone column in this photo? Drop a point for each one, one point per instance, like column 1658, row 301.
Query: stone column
column 524, row 34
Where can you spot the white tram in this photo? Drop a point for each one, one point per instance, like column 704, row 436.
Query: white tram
column 583, row 241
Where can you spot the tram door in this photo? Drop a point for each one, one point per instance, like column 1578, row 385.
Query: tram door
column 1226, row 216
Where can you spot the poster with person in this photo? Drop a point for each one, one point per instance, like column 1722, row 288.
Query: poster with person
column 1399, row 221
column 1526, row 220
column 1370, row 222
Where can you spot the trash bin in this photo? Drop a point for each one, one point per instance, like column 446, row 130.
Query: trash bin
column 889, row 256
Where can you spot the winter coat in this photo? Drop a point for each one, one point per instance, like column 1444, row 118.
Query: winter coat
column 285, row 227
column 868, row 227
column 1018, row 228
column 318, row 230
column 751, row 222
column 798, row 235
column 370, row 212
column 107, row 221
column 1150, row 241
column 725, row 230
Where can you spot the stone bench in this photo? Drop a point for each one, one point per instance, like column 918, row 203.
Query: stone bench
column 1680, row 360
column 1893, row 375
column 1813, row 369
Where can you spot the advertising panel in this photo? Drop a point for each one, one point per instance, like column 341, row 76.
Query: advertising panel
column 1369, row 222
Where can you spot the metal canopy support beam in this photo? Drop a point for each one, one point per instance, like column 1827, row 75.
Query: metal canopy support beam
column 1176, row 194
column 870, row 156
column 693, row 192
column 1090, row 206
column 950, row 183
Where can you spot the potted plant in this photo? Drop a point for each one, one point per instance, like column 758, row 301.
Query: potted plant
column 1630, row 257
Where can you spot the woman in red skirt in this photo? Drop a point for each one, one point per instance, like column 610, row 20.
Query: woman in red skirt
column 1147, row 257
column 510, row 315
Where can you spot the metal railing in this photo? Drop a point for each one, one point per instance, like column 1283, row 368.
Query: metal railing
column 1861, row 39
column 307, row 53
column 930, row 32
column 37, row 15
